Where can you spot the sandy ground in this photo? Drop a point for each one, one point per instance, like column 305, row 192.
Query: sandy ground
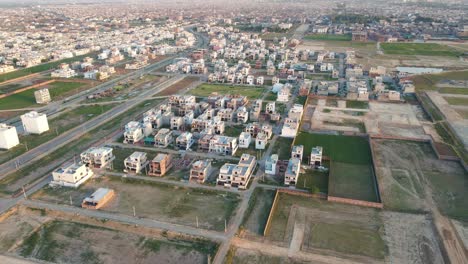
column 410, row 239
column 462, row 229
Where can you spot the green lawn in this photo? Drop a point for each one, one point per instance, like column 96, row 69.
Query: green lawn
column 26, row 98
column 57, row 89
column 330, row 37
column 314, row 181
column 456, row 100
column 233, row 131
column 451, row 90
column 352, row 181
column 338, row 236
column 283, row 148
column 426, row 49
column 38, row 68
column 205, row 90
column 271, row 96
column 346, row 149
column 357, row 104
column 429, row 81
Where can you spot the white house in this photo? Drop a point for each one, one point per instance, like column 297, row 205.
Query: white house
column 8, row 136
column 133, row 133
column 316, row 156
column 244, row 140
column 232, row 175
column 136, row 162
column 34, row 122
column 270, row 164
column 297, row 152
column 261, row 141
column 292, row 171
column 283, row 94
column 101, row 157
column 71, row 175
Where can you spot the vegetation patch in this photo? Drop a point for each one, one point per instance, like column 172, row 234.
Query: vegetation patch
column 205, row 90
column 425, row 49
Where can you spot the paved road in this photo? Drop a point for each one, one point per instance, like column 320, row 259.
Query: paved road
column 217, row 236
column 63, row 139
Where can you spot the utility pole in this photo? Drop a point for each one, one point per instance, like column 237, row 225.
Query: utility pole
column 196, row 217
column 71, row 201
column 24, row 193
column 225, row 225
column 56, row 131
column 134, row 212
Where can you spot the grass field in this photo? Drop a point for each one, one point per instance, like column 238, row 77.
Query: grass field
column 352, row 181
column 71, row 242
column 205, row 90
column 333, row 226
column 429, row 81
column 457, row 100
column 351, row 174
column 329, row 37
column 38, row 68
column 257, row 213
column 337, row 237
column 451, row 90
column 344, row 149
column 26, row 98
column 314, row 181
column 57, row 125
column 426, row 49
column 283, row 148
column 156, row 201
column 357, row 104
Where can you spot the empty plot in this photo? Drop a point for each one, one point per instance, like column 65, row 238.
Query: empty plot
column 426, row 49
column 352, row 181
column 155, row 201
column 340, row 229
column 205, row 90
column 457, row 100
column 257, row 213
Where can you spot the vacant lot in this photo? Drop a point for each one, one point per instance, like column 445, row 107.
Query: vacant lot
column 457, row 100
column 26, row 98
column 246, row 256
column 205, row 90
column 65, row 238
column 70, row 242
column 330, row 37
column 283, row 148
column 451, row 90
column 181, row 85
column 357, row 104
column 259, row 208
column 426, row 49
column 156, row 201
column 314, row 180
column 404, row 170
column 328, row 226
column 430, row 81
column 352, row 181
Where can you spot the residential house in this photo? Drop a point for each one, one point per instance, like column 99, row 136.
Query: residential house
column 98, row 157
column 133, row 133
column 292, row 171
column 35, row 123
column 160, row 165
column 136, row 162
column 283, row 94
column 223, row 145
column 163, row 138
column 297, row 152
column 261, row 140
column 232, row 175
column 71, row 175
column 200, row 171
column 270, row 164
column 316, row 156
column 98, row 199
column 244, row 140
column 8, row 136
column 184, row 141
